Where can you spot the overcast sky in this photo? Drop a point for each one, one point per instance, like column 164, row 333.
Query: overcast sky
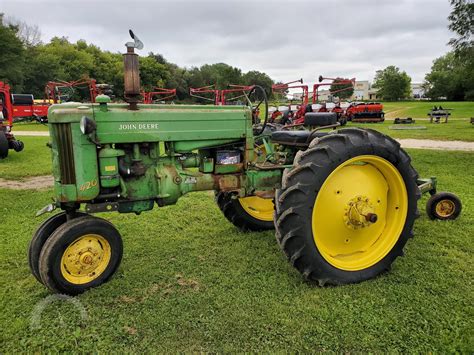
column 286, row 39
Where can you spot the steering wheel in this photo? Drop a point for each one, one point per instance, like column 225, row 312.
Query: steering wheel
column 260, row 96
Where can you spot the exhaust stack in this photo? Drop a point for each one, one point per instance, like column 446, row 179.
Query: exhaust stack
column 132, row 72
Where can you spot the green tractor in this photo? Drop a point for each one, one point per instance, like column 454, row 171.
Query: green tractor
column 342, row 203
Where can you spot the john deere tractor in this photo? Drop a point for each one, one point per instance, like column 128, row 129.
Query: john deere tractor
column 342, row 203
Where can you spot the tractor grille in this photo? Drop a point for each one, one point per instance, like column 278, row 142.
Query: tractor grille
column 65, row 152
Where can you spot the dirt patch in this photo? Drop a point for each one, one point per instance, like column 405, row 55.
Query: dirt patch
column 32, row 183
column 393, row 114
column 439, row 145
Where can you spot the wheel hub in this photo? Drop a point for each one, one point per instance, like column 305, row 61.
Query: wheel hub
column 445, row 208
column 359, row 213
column 85, row 259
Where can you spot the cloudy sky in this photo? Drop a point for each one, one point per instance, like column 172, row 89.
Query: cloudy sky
column 286, row 39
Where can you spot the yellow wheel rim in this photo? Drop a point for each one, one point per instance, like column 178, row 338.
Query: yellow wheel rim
column 359, row 213
column 259, row 208
column 445, row 208
column 85, row 259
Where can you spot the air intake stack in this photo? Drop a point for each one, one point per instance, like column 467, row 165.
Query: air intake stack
column 132, row 72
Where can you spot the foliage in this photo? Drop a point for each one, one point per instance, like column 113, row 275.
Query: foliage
column 462, row 23
column 343, row 91
column 26, row 60
column 392, row 84
column 12, row 56
column 451, row 77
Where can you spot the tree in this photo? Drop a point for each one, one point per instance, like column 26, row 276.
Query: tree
column 462, row 23
column 30, row 35
column 221, row 75
column 392, row 84
column 451, row 77
column 343, row 91
column 12, row 55
column 255, row 77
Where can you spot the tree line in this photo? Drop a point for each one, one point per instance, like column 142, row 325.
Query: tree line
column 28, row 64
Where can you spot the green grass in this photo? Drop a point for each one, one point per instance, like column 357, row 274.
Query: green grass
column 34, row 160
column 453, row 130
column 30, row 126
column 420, row 109
column 190, row 281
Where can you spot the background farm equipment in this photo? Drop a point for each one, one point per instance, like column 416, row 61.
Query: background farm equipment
column 11, row 104
column 343, row 204
column 158, row 95
column 345, row 85
column 438, row 113
column 365, row 112
column 229, row 96
column 21, row 106
column 406, row 120
column 63, row 91
column 290, row 116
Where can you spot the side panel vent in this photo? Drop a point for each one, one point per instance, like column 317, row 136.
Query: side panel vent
column 65, row 152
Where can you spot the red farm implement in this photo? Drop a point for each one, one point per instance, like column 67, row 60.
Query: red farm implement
column 61, row 91
column 222, row 97
column 288, row 116
column 345, row 84
column 158, row 95
column 365, row 112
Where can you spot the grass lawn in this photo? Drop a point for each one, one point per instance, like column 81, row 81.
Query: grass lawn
column 34, row 160
column 420, row 109
column 190, row 281
column 453, row 130
column 30, row 126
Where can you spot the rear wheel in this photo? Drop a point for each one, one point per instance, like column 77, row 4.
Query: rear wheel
column 248, row 213
column 3, row 146
column 81, row 254
column 443, row 206
column 347, row 207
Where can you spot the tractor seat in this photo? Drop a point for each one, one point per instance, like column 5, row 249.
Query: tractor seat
column 320, row 118
column 294, row 137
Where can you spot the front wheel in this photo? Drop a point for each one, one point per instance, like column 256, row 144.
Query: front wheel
column 443, row 206
column 247, row 213
column 80, row 254
column 347, row 207
column 41, row 235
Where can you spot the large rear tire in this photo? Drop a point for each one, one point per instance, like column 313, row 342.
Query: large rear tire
column 3, row 146
column 347, row 207
column 249, row 213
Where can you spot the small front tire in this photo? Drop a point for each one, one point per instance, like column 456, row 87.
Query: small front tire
column 41, row 235
column 81, row 254
column 443, row 206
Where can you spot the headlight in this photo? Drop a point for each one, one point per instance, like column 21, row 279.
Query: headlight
column 87, row 125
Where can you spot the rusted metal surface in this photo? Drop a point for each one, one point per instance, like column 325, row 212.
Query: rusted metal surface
column 131, row 78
